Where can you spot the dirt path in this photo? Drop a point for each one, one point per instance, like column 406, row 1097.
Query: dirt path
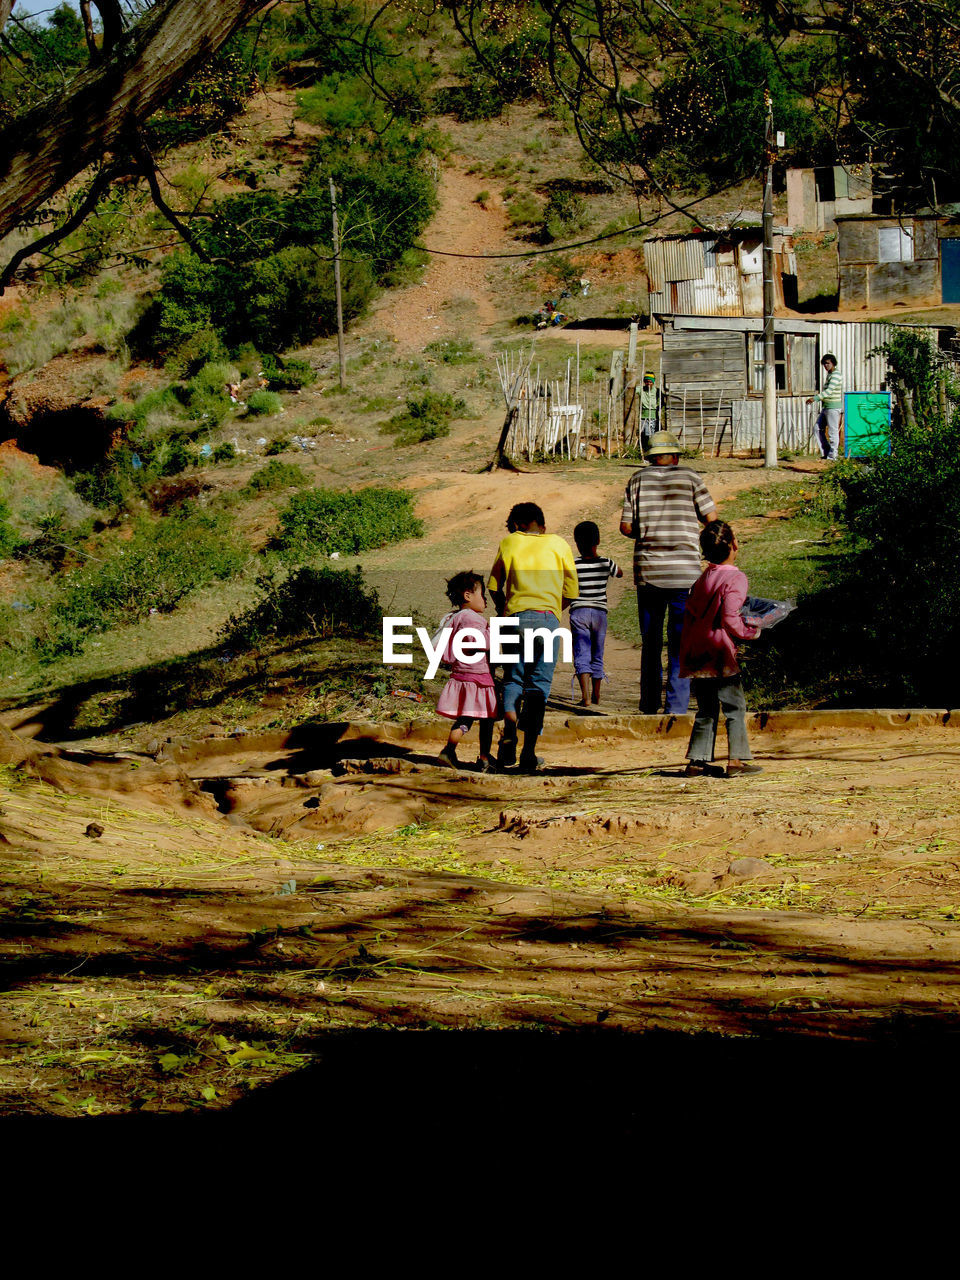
column 160, row 953
column 454, row 294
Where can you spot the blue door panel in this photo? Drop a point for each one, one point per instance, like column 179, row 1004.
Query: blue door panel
column 950, row 268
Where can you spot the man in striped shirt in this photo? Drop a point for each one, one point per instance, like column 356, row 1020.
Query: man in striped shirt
column 663, row 508
column 831, row 409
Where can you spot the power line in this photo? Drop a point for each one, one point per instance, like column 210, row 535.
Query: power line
column 538, row 253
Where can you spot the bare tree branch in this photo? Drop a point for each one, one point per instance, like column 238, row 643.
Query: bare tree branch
column 54, row 141
column 88, row 32
column 111, row 19
column 148, row 167
column 86, row 206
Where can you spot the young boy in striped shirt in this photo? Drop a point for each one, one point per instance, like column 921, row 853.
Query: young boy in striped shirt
column 588, row 613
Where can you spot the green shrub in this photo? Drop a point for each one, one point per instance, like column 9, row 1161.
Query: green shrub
column 275, row 475
column 205, row 397
column 263, row 403
column 289, row 299
column 287, row 375
column 322, row 521
column 319, row 602
column 225, row 452
column 425, row 419
column 564, row 216
column 197, row 350
column 524, row 210
column 161, row 563
column 57, row 541
column 278, row 445
column 478, row 99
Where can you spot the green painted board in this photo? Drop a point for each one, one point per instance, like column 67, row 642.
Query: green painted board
column 866, row 423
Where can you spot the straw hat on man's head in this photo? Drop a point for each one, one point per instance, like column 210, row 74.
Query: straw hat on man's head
column 663, row 442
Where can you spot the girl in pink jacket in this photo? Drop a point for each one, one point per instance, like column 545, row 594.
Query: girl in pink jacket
column 470, row 693
column 712, row 624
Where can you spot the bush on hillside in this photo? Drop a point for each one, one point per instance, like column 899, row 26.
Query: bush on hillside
column 322, row 521
column 287, row 375
column 319, row 602
column 424, row 419
column 283, row 299
column 263, row 403
column 161, row 563
column 205, row 397
column 200, row 348
column 564, row 216
column 275, row 475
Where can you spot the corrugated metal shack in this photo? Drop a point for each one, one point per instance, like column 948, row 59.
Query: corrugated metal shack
column 712, row 375
column 889, row 260
column 709, row 273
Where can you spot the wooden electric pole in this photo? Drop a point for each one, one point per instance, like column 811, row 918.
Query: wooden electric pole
column 769, row 335
column 336, row 285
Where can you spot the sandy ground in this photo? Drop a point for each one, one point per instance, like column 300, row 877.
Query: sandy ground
column 240, row 899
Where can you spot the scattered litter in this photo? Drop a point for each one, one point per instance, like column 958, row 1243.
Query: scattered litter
column 304, row 443
column 135, row 461
column 288, row 886
column 262, row 441
column 550, row 314
column 584, row 287
column 153, row 611
column 407, row 693
column 319, row 846
column 334, row 555
column 206, row 450
column 94, row 831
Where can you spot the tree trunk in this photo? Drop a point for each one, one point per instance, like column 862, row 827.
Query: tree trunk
column 51, row 143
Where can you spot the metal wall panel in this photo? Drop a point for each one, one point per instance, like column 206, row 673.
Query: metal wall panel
column 795, row 423
column 683, row 259
column 653, row 262
column 729, row 295
column 852, row 344
column 684, row 297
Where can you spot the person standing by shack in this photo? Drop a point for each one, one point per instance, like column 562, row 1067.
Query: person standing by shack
column 649, row 409
column 831, row 409
column 663, row 508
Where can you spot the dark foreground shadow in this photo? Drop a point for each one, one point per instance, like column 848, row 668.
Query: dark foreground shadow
column 578, row 1088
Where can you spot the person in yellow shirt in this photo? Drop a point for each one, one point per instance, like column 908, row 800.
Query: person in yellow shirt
column 533, row 579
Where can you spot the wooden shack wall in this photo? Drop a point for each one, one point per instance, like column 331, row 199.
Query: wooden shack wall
column 715, row 359
column 866, row 282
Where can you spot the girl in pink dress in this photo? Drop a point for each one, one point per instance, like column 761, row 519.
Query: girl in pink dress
column 469, row 694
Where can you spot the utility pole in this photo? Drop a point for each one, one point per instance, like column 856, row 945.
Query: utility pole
column 769, row 337
column 336, row 285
